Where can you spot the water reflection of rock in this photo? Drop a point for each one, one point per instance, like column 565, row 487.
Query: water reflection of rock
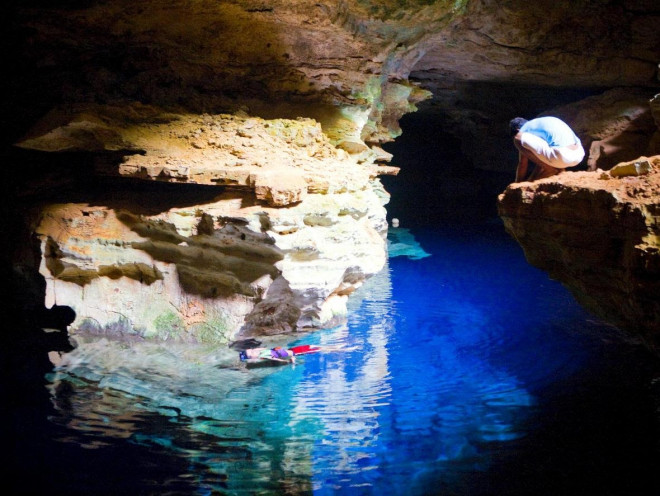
column 402, row 243
column 206, row 407
column 342, row 400
column 279, row 416
column 417, row 400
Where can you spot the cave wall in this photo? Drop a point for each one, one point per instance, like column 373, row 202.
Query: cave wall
column 355, row 56
column 199, row 93
column 597, row 233
column 250, row 225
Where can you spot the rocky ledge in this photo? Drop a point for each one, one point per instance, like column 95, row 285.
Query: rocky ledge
column 280, row 225
column 598, row 233
column 266, row 209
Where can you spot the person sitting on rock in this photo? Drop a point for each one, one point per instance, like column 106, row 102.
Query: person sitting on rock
column 546, row 146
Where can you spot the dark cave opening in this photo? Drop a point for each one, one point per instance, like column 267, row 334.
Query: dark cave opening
column 455, row 152
column 437, row 183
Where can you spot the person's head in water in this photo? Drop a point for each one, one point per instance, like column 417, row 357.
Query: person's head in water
column 515, row 125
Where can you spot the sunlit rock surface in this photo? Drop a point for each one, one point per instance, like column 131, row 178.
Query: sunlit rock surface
column 599, row 234
column 293, row 226
column 280, row 160
column 281, row 106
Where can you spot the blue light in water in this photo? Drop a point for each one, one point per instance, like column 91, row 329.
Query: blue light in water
column 444, row 360
column 430, row 383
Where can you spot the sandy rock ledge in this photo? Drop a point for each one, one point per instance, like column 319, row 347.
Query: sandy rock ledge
column 287, row 227
column 599, row 234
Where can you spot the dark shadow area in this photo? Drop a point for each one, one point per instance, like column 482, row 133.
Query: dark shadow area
column 437, row 183
column 499, row 98
column 24, row 362
column 593, row 433
column 476, row 115
column 71, row 177
column 183, row 56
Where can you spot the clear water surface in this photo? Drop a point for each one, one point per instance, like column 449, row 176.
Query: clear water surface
column 461, row 371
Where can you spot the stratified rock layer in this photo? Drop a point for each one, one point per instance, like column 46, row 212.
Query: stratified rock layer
column 288, row 225
column 281, row 160
column 599, row 234
column 281, row 106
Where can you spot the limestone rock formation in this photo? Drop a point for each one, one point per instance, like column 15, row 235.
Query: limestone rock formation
column 481, row 60
column 279, row 108
column 281, row 160
column 599, row 234
column 293, row 227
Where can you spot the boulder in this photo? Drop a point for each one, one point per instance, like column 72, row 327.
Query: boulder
column 598, row 233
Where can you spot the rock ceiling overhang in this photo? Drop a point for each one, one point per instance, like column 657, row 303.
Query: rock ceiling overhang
column 194, row 52
column 347, row 64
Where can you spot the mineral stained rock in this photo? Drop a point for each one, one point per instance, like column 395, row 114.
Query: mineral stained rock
column 288, row 226
column 598, row 233
column 279, row 106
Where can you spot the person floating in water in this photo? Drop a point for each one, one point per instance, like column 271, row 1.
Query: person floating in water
column 546, row 146
column 280, row 354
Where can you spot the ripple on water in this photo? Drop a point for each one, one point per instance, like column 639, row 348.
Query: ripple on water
column 436, row 373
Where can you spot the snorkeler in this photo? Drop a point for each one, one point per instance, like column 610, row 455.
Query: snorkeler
column 280, row 354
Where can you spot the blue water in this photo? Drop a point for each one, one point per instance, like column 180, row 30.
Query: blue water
column 461, row 371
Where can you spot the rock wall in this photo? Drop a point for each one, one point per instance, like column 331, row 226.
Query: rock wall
column 482, row 60
column 279, row 107
column 614, row 126
column 599, row 234
column 287, row 227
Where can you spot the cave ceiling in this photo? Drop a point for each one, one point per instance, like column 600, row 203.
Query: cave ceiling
column 479, row 59
column 109, row 70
